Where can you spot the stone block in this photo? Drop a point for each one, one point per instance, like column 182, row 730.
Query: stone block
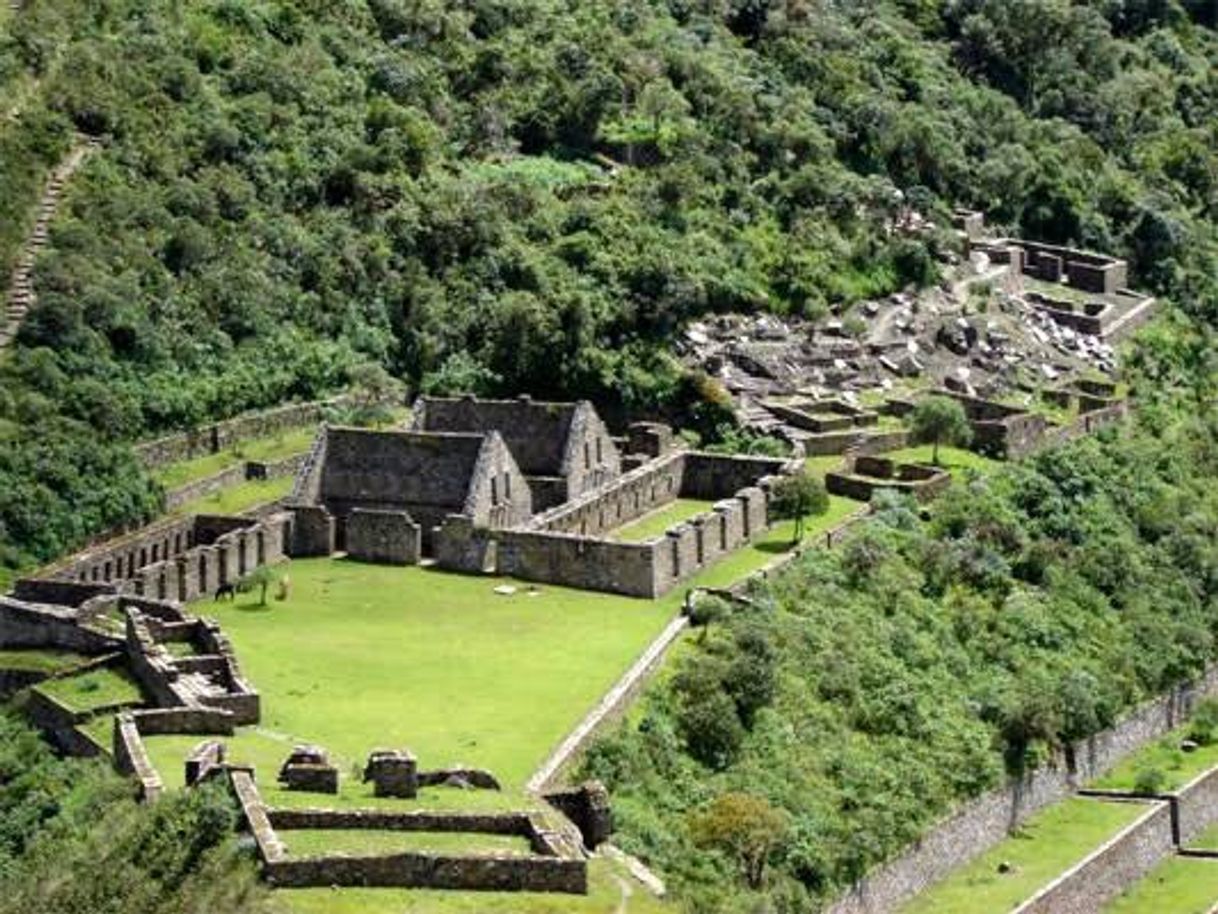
column 394, row 773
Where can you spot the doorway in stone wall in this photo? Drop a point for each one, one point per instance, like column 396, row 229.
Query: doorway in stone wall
column 490, row 557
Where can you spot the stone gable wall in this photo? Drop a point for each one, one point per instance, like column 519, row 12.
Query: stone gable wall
column 390, row 537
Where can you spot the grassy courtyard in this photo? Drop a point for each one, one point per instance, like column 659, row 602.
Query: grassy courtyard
column 1180, row 885
column 649, row 526
column 1045, row 847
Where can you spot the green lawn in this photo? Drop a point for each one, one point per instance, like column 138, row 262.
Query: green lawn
column 819, row 467
column 1180, row 885
column 652, row 525
column 1047, row 845
column 94, row 689
column 951, row 458
column 320, row 842
column 1207, row 840
column 42, row 661
column 607, row 888
column 100, row 729
column 275, row 447
column 238, row 498
column 1178, row 767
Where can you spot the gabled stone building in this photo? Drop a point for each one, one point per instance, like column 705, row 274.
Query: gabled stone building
column 427, row 476
column 564, row 449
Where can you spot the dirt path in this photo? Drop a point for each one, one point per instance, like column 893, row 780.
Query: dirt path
column 20, row 296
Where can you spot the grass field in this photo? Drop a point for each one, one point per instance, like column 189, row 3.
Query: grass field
column 609, row 892
column 1048, row 844
column 1181, row 885
column 818, row 467
column 320, row 842
column 42, row 661
column 1165, row 755
column 94, row 689
column 649, row 526
column 238, row 498
column 951, row 458
column 274, row 447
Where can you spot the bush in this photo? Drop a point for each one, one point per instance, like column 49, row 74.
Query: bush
column 1204, row 724
column 1150, row 781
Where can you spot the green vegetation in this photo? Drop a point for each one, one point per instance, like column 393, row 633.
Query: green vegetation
column 317, row 842
column 939, row 421
column 798, row 498
column 43, row 661
column 950, row 458
column 655, row 523
column 266, row 450
column 1181, row 885
column 96, row 688
column 1045, row 847
column 1164, row 756
column 76, row 817
column 873, row 688
column 239, row 498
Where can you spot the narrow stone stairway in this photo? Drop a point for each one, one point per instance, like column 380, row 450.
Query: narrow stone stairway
column 20, row 297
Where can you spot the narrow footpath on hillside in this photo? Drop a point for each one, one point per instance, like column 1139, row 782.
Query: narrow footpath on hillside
column 20, row 296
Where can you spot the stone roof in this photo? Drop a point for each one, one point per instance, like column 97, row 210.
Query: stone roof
column 535, row 432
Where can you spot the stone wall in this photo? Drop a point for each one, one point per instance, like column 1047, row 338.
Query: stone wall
column 312, row 531
column 58, row 593
column 981, row 823
column 391, row 537
column 1088, row 887
column 210, row 439
column 415, row 820
column 25, row 625
column 713, row 476
column 131, row 758
column 1196, row 806
column 434, row 871
column 651, row 486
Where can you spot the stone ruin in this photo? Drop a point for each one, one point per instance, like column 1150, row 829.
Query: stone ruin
column 863, row 476
column 308, row 769
column 527, row 489
column 393, row 772
column 588, row 807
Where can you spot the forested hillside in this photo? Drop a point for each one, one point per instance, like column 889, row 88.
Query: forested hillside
column 507, row 195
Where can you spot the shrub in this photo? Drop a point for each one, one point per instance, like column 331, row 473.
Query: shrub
column 1150, row 781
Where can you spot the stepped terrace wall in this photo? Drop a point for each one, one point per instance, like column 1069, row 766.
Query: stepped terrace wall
column 981, row 823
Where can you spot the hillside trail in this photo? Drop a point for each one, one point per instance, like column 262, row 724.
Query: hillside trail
column 20, row 296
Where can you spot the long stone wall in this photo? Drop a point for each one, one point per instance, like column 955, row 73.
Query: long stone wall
column 981, row 823
column 131, row 758
column 210, row 439
column 26, row 625
column 1196, row 805
column 627, row 498
column 1088, row 887
column 434, row 871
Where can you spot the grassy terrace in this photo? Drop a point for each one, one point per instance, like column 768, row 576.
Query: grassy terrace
column 952, row 458
column 1164, row 755
column 319, row 842
column 40, row 661
column 275, row 447
column 654, row 524
column 1047, row 845
column 239, row 498
column 94, row 689
column 1180, row 885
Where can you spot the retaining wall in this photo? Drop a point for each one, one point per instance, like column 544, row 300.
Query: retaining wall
column 25, row 625
column 131, row 758
column 981, row 823
column 434, row 871
column 1196, row 806
column 1088, row 887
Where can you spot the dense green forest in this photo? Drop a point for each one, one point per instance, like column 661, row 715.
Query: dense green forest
column 507, row 195
column 74, row 841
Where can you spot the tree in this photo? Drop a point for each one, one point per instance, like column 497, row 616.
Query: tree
column 800, row 497
column 940, row 420
column 744, row 827
column 374, row 387
column 261, row 577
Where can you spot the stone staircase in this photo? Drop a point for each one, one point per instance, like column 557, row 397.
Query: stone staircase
column 20, row 297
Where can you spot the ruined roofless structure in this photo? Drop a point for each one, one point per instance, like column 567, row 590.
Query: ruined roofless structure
column 427, row 475
column 564, row 449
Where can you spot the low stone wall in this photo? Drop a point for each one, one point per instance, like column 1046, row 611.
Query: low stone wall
column 611, row 706
column 1088, row 887
column 389, row 537
column 196, row 720
column 1196, row 805
column 210, row 439
column 493, row 823
column 131, row 758
column 642, row 490
column 201, row 488
column 26, row 625
column 434, row 871
column 981, row 823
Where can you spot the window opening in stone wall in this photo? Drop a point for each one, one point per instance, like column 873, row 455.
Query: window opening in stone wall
column 494, row 491
column 600, row 455
column 507, row 485
column 587, row 455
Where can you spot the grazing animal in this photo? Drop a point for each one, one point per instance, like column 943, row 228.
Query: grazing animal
column 226, row 590
column 285, row 589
